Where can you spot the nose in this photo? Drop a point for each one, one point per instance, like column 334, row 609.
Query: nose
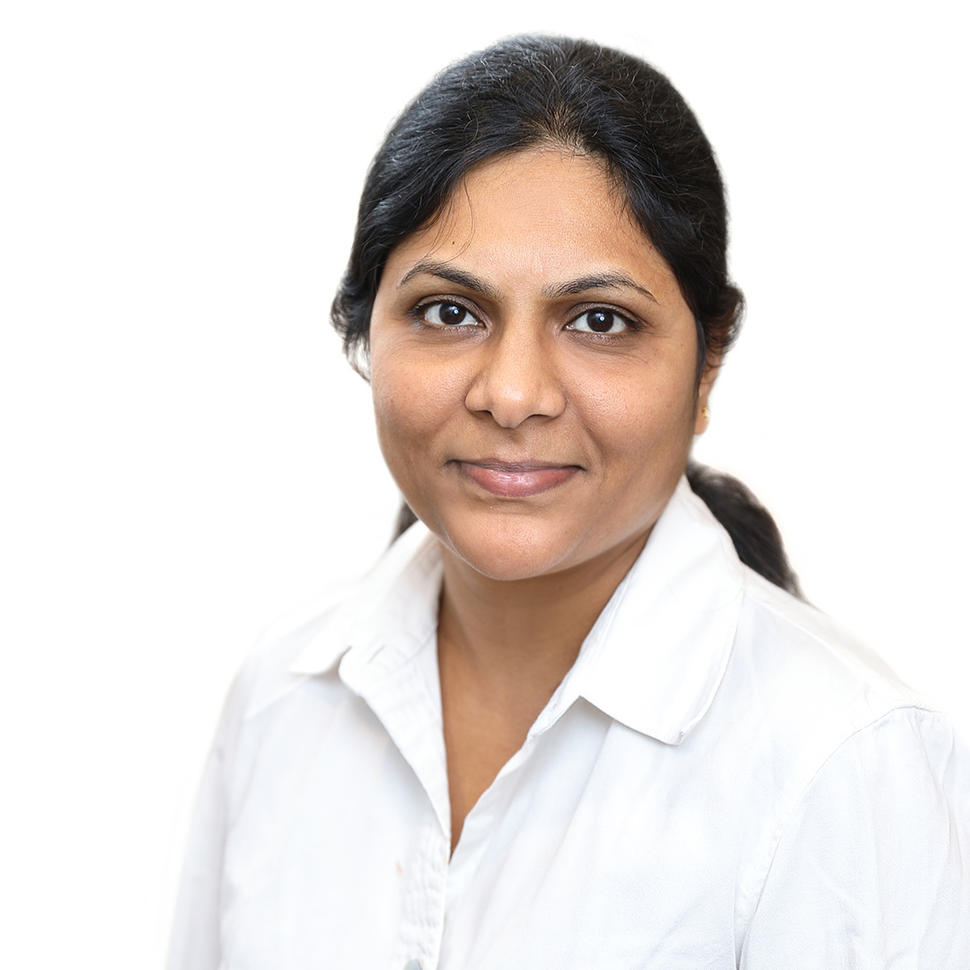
column 516, row 377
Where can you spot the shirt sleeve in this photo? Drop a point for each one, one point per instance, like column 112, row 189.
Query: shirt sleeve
column 873, row 868
column 195, row 939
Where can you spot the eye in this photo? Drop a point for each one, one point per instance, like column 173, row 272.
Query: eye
column 445, row 313
column 600, row 320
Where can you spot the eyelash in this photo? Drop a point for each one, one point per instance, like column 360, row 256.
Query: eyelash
column 419, row 311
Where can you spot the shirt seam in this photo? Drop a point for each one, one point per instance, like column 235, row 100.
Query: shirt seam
column 788, row 820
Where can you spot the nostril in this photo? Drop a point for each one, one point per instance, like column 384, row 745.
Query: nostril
column 517, row 377
column 510, row 403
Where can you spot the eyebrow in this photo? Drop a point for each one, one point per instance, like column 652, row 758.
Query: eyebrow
column 599, row 281
column 594, row 281
column 430, row 267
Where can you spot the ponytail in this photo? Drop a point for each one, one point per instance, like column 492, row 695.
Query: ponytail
column 756, row 538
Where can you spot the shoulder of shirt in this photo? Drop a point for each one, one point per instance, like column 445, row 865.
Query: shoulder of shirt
column 308, row 642
column 265, row 675
column 824, row 718
column 815, row 668
column 800, row 695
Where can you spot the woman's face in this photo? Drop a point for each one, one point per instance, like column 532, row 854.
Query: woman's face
column 533, row 368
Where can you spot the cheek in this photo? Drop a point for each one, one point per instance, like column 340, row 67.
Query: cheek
column 413, row 400
column 641, row 416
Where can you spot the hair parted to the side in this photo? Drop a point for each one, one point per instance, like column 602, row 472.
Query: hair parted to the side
column 528, row 91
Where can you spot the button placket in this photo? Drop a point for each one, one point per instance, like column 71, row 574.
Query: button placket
column 423, row 902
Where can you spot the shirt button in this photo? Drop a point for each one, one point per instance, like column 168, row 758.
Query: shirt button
column 412, row 965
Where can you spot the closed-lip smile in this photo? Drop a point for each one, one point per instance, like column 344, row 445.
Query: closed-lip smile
column 515, row 479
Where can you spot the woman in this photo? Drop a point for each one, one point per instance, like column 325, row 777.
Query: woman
column 575, row 717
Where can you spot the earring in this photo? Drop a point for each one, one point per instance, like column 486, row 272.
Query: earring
column 706, row 413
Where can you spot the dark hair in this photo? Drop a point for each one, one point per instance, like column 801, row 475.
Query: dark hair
column 528, row 91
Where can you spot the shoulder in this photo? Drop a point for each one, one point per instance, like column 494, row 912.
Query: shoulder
column 270, row 671
column 859, row 782
column 396, row 600
column 813, row 669
column 873, row 852
column 798, row 688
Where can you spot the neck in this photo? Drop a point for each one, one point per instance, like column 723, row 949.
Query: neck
column 523, row 636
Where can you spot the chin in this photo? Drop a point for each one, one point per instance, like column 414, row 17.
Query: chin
column 510, row 548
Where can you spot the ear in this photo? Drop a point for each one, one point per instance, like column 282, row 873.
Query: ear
column 702, row 413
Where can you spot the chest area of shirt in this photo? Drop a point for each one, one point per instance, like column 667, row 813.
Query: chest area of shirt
column 569, row 859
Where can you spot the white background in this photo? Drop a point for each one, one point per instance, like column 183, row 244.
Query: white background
column 187, row 456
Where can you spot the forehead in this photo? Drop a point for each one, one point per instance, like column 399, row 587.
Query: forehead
column 542, row 213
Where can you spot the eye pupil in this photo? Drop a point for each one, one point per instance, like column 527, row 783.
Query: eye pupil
column 451, row 313
column 600, row 321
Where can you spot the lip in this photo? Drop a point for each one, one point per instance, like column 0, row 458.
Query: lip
column 516, row 479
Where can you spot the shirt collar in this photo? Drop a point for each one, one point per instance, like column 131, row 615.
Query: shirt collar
column 653, row 660
column 395, row 605
column 659, row 650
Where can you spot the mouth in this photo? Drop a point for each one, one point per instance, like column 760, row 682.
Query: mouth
column 516, row 479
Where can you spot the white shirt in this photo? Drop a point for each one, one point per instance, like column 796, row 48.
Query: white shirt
column 721, row 780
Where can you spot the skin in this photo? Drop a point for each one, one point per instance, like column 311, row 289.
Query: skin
column 481, row 353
